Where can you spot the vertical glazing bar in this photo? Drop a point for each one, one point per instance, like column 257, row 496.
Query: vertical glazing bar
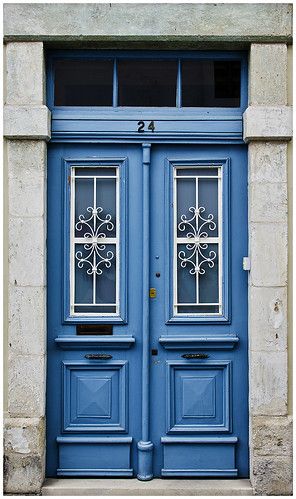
column 175, row 263
column 145, row 447
column 115, row 84
column 220, row 236
column 72, row 243
column 95, row 227
column 196, row 254
column 118, row 239
column 179, row 86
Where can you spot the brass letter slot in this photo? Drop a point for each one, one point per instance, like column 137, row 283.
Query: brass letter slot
column 101, row 329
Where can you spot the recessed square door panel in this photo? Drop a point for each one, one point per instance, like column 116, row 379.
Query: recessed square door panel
column 95, row 397
column 198, row 396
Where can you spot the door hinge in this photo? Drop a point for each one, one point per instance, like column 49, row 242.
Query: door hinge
column 246, row 263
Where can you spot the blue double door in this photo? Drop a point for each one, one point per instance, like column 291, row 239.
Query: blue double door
column 147, row 310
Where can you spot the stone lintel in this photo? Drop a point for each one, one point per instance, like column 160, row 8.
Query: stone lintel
column 148, row 22
column 267, row 123
column 27, row 122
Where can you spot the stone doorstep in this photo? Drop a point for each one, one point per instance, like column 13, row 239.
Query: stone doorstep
column 156, row 487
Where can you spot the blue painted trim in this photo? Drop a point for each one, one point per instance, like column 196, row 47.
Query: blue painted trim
column 179, row 86
column 115, row 84
column 84, row 162
column 225, row 317
column 145, row 447
column 93, row 440
column 71, row 342
column 120, row 124
column 146, row 277
column 132, row 113
column 221, row 342
column 94, row 472
column 199, row 440
column 201, row 473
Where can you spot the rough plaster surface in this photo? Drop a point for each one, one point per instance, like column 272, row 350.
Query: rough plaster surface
column 206, row 22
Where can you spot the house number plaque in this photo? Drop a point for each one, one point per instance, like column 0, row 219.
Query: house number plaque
column 142, row 125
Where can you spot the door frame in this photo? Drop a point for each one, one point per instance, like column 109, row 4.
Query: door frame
column 270, row 145
column 83, row 125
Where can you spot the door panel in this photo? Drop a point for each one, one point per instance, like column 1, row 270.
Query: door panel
column 198, row 415
column 205, row 400
column 93, row 427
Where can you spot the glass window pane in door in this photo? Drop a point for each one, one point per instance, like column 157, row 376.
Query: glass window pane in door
column 209, row 83
column 147, row 82
column 83, row 82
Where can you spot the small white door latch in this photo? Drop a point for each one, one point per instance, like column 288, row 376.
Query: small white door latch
column 246, row 263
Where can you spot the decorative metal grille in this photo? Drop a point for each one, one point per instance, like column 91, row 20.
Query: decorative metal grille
column 94, row 241
column 197, row 241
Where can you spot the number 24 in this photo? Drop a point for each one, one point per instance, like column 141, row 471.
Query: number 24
column 141, row 126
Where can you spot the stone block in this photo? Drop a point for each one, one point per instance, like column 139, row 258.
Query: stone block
column 26, row 122
column 27, row 251
column 268, row 251
column 268, row 319
column 25, row 74
column 26, row 386
column 26, row 159
column 268, row 202
column 268, row 383
column 268, row 74
column 24, row 435
column 267, row 161
column 272, row 436
column 272, row 475
column 27, row 320
column 23, row 474
column 26, row 164
column 267, row 123
column 27, row 197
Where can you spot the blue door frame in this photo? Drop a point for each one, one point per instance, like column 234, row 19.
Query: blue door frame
column 142, row 408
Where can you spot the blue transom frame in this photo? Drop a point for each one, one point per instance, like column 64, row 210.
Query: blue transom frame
column 172, row 124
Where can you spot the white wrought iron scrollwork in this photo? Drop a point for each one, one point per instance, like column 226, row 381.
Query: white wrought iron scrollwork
column 196, row 256
column 96, row 228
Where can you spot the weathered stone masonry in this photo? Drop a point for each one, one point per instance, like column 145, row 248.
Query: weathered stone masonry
column 262, row 29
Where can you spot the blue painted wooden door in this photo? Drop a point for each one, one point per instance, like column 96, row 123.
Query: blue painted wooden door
column 147, row 382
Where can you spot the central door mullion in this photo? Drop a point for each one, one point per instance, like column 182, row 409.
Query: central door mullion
column 145, row 447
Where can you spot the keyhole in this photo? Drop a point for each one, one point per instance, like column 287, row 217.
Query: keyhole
column 157, row 274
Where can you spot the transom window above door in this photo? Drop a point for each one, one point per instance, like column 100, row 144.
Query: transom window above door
column 159, row 80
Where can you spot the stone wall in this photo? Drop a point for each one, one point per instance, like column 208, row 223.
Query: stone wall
column 270, row 425
column 25, row 159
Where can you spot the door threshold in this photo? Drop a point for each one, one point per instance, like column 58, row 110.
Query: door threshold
column 156, row 487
